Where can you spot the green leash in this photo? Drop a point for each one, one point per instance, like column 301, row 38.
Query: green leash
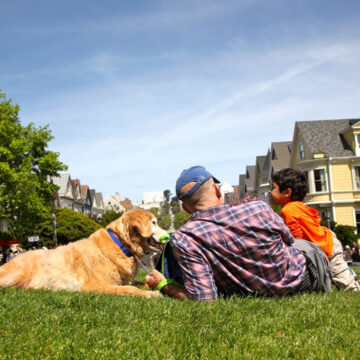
column 165, row 240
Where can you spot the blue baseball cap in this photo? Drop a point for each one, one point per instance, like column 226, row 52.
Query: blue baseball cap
column 197, row 174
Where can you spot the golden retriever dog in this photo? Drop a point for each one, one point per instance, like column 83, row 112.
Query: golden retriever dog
column 102, row 263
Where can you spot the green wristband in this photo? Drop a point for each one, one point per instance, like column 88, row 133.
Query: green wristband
column 165, row 282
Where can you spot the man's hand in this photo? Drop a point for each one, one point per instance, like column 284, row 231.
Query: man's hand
column 154, row 278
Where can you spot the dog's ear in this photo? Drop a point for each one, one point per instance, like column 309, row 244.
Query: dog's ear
column 142, row 226
column 140, row 222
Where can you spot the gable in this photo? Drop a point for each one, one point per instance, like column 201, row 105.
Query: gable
column 355, row 123
column 280, row 155
column 69, row 190
column 321, row 136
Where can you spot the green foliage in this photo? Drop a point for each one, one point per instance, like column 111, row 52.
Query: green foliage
column 6, row 235
column 326, row 224
column 155, row 211
column 164, row 208
column 175, row 205
column 25, row 165
column 109, row 216
column 180, row 219
column 38, row 324
column 276, row 208
column 163, row 217
column 346, row 234
column 70, row 226
column 167, row 194
column 165, row 221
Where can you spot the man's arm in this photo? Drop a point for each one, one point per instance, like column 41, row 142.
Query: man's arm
column 155, row 278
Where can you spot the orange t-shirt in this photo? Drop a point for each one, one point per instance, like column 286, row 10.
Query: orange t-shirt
column 304, row 223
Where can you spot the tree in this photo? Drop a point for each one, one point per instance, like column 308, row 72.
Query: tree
column 25, row 167
column 109, row 216
column 346, row 234
column 164, row 208
column 71, row 226
column 180, row 219
column 167, row 194
column 175, row 205
column 165, row 221
column 155, row 211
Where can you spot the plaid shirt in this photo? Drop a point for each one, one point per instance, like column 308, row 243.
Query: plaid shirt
column 238, row 250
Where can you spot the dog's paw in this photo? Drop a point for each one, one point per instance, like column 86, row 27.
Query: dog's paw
column 152, row 294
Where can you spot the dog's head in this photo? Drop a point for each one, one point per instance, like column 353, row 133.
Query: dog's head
column 139, row 231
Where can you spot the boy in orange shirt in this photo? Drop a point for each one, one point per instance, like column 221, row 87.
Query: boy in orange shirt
column 288, row 190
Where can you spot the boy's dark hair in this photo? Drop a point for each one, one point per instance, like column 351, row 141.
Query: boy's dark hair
column 291, row 179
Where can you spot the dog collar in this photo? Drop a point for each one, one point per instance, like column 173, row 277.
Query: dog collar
column 119, row 243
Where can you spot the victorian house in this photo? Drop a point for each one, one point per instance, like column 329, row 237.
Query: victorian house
column 73, row 195
column 328, row 151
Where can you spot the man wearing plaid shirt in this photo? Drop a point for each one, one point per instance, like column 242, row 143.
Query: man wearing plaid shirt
column 244, row 249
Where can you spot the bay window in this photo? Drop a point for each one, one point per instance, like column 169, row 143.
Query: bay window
column 320, row 180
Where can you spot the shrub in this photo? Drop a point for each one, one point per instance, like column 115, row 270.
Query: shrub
column 276, row 208
column 180, row 219
column 109, row 216
column 6, row 235
column 165, row 221
column 70, row 226
column 155, row 211
column 346, row 234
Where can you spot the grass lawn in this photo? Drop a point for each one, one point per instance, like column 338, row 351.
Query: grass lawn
column 62, row 325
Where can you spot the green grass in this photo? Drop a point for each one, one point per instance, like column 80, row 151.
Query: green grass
column 62, row 325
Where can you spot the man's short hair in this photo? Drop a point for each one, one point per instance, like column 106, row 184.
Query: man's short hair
column 292, row 179
column 198, row 194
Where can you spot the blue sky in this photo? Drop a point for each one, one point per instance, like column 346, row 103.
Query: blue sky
column 136, row 91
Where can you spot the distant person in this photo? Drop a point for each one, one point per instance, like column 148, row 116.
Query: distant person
column 288, row 190
column 15, row 250
column 240, row 250
column 356, row 255
column 348, row 254
column 10, row 255
column 20, row 250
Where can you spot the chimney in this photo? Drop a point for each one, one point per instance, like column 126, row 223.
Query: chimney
column 117, row 196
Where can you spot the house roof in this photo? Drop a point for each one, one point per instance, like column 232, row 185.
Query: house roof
column 127, row 204
column 92, row 195
column 75, row 183
column 61, row 181
column 250, row 181
column 84, row 189
column 282, row 150
column 326, row 136
column 99, row 199
column 260, row 161
column 267, row 163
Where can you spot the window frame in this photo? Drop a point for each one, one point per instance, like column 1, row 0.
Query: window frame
column 325, row 179
column 311, row 187
column 301, row 151
column 357, row 212
column 356, row 184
